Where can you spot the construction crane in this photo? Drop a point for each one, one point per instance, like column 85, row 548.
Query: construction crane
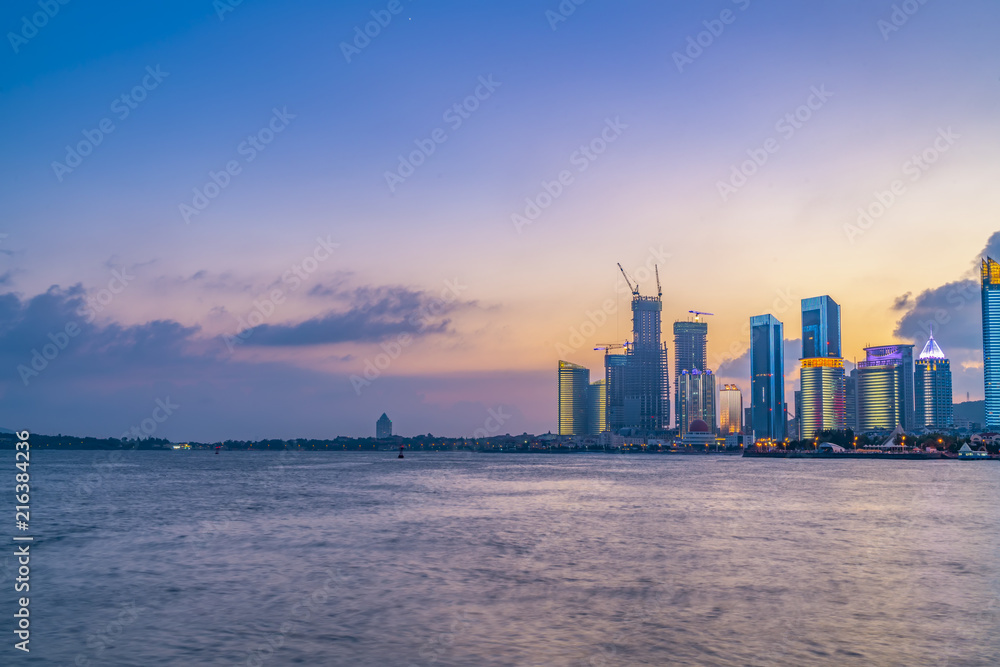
column 699, row 313
column 612, row 346
column 635, row 290
column 659, row 290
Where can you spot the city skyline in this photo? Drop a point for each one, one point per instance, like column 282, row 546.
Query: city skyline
column 279, row 245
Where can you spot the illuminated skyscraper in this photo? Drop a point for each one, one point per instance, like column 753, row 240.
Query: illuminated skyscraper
column 851, row 400
column 697, row 391
column 990, row 274
column 597, row 407
column 690, row 352
column 767, row 377
column 932, row 387
column 574, row 389
column 822, row 405
column 885, row 388
column 730, row 410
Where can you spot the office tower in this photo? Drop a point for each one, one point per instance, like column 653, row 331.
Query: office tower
column 697, row 391
column 822, row 406
column 820, row 328
column 990, row 275
column 851, row 401
column 932, row 387
column 767, row 377
column 383, row 427
column 574, row 389
column 730, row 410
column 615, row 367
column 597, row 406
column 690, row 352
column 885, row 388
column 747, row 422
column 795, row 420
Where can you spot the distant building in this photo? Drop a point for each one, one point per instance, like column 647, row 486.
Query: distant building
column 697, row 393
column 574, row 398
column 885, row 388
column 597, row 406
column 698, row 434
column 730, row 410
column 932, row 387
column 690, row 352
column 767, row 377
column 851, row 401
column 821, row 406
column 383, row 427
column 747, row 421
column 990, row 282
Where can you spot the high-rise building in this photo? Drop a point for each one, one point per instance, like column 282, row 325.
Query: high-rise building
column 383, row 427
column 574, row 389
column 767, row 377
column 851, row 401
column 615, row 368
column 690, row 352
column 697, row 390
column 932, row 387
column 730, row 410
column 820, row 328
column 823, row 402
column 597, row 407
column 822, row 405
column 885, row 388
column 990, row 275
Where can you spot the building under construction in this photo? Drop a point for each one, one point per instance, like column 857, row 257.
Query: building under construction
column 638, row 382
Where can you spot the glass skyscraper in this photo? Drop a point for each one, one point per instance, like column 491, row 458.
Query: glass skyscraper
column 730, row 410
column 574, row 389
column 597, row 407
column 767, row 377
column 820, row 328
column 615, row 367
column 697, row 391
column 822, row 406
column 932, row 387
column 990, row 275
column 885, row 388
column 690, row 353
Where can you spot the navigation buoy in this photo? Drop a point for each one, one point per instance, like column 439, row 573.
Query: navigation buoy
column 401, row 453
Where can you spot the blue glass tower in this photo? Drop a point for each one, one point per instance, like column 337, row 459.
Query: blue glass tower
column 991, row 340
column 767, row 377
column 820, row 328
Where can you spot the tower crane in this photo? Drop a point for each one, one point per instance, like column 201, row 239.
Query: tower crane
column 659, row 290
column 612, row 346
column 635, row 289
column 698, row 313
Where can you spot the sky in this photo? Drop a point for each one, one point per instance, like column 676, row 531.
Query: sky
column 284, row 226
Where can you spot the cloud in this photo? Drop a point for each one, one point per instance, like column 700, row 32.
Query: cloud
column 374, row 314
column 902, row 302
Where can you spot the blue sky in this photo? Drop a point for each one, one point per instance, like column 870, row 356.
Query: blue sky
column 438, row 257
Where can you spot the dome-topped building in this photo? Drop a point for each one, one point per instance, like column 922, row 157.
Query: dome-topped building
column 932, row 387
